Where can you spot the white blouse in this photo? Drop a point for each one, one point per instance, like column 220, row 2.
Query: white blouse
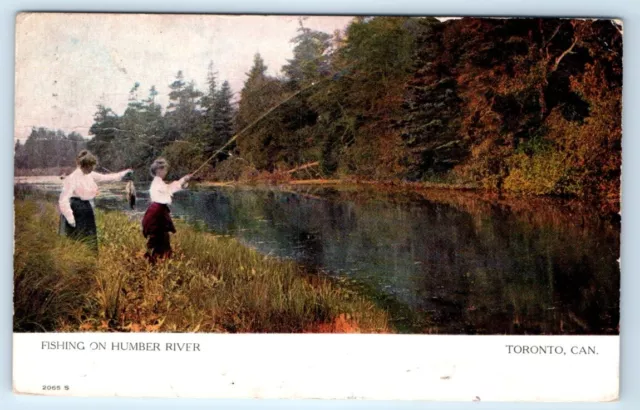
column 161, row 192
column 83, row 186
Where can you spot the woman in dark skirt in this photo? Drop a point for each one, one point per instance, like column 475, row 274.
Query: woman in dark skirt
column 77, row 219
column 157, row 222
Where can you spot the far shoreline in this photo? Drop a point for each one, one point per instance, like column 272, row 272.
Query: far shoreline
column 389, row 186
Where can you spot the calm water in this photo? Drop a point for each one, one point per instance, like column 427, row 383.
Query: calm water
column 439, row 262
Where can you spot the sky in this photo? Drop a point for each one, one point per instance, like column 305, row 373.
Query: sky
column 66, row 64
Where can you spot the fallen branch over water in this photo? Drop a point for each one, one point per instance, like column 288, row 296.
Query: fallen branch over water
column 304, row 166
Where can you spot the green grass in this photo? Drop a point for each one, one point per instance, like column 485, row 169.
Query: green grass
column 212, row 284
column 52, row 275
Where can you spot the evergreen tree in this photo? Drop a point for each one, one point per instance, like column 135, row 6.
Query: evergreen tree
column 223, row 115
column 432, row 123
column 310, row 61
column 257, row 94
column 183, row 109
column 208, row 102
column 212, row 88
column 359, row 109
column 153, row 93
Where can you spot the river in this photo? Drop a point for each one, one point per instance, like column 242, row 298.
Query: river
column 439, row 261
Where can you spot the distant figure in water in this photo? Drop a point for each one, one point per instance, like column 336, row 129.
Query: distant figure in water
column 130, row 192
column 77, row 219
column 157, row 222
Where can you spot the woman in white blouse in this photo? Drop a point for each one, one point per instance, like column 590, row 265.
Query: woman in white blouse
column 76, row 208
column 157, row 222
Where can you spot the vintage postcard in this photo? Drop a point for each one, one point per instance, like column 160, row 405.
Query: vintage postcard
column 369, row 207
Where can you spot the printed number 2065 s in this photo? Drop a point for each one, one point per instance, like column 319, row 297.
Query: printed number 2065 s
column 54, row 387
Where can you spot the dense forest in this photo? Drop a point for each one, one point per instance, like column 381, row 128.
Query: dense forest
column 515, row 105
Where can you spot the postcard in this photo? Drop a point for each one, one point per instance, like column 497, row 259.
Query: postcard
column 334, row 207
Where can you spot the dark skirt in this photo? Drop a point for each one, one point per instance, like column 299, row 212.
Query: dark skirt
column 85, row 229
column 156, row 226
column 158, row 247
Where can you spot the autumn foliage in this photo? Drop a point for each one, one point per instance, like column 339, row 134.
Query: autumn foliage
column 539, row 104
column 527, row 106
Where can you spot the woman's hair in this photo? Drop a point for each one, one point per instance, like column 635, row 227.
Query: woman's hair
column 86, row 159
column 159, row 163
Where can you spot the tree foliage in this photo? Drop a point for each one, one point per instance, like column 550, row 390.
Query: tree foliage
column 523, row 105
column 192, row 126
column 45, row 148
column 530, row 105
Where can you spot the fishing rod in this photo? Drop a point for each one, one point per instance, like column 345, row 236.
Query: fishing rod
column 334, row 76
column 272, row 109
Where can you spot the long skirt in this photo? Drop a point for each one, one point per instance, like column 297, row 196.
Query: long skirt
column 158, row 247
column 85, row 229
column 156, row 226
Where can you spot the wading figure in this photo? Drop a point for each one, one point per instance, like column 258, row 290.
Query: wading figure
column 157, row 223
column 77, row 219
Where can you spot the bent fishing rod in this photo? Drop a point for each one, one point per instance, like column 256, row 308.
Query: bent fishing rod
column 335, row 76
column 272, row 109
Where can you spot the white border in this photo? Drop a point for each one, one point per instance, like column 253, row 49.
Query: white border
column 630, row 306
column 322, row 366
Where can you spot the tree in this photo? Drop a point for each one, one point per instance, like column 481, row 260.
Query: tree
column 183, row 109
column 526, row 105
column 359, row 109
column 310, row 60
column 47, row 148
column 259, row 94
column 212, row 89
column 431, row 123
column 211, row 138
column 222, row 116
column 139, row 138
column 105, row 128
column 133, row 139
column 20, row 159
column 283, row 138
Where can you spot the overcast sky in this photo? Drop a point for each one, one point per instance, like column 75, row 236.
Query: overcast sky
column 68, row 63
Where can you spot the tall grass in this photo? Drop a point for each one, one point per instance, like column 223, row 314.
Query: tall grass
column 52, row 274
column 212, row 284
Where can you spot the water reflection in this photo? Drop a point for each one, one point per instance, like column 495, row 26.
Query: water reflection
column 442, row 262
column 459, row 264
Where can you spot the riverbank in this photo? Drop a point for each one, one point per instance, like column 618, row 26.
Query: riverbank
column 213, row 284
column 343, row 182
column 608, row 209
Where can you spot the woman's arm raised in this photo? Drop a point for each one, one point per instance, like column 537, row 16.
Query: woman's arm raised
column 116, row 176
column 178, row 185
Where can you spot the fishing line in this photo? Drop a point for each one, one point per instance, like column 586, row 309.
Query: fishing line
column 335, row 76
column 272, row 109
column 338, row 74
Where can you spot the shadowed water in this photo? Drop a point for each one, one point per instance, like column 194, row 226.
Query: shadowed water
column 441, row 262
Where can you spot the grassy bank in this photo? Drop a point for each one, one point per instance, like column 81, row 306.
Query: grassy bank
column 213, row 284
